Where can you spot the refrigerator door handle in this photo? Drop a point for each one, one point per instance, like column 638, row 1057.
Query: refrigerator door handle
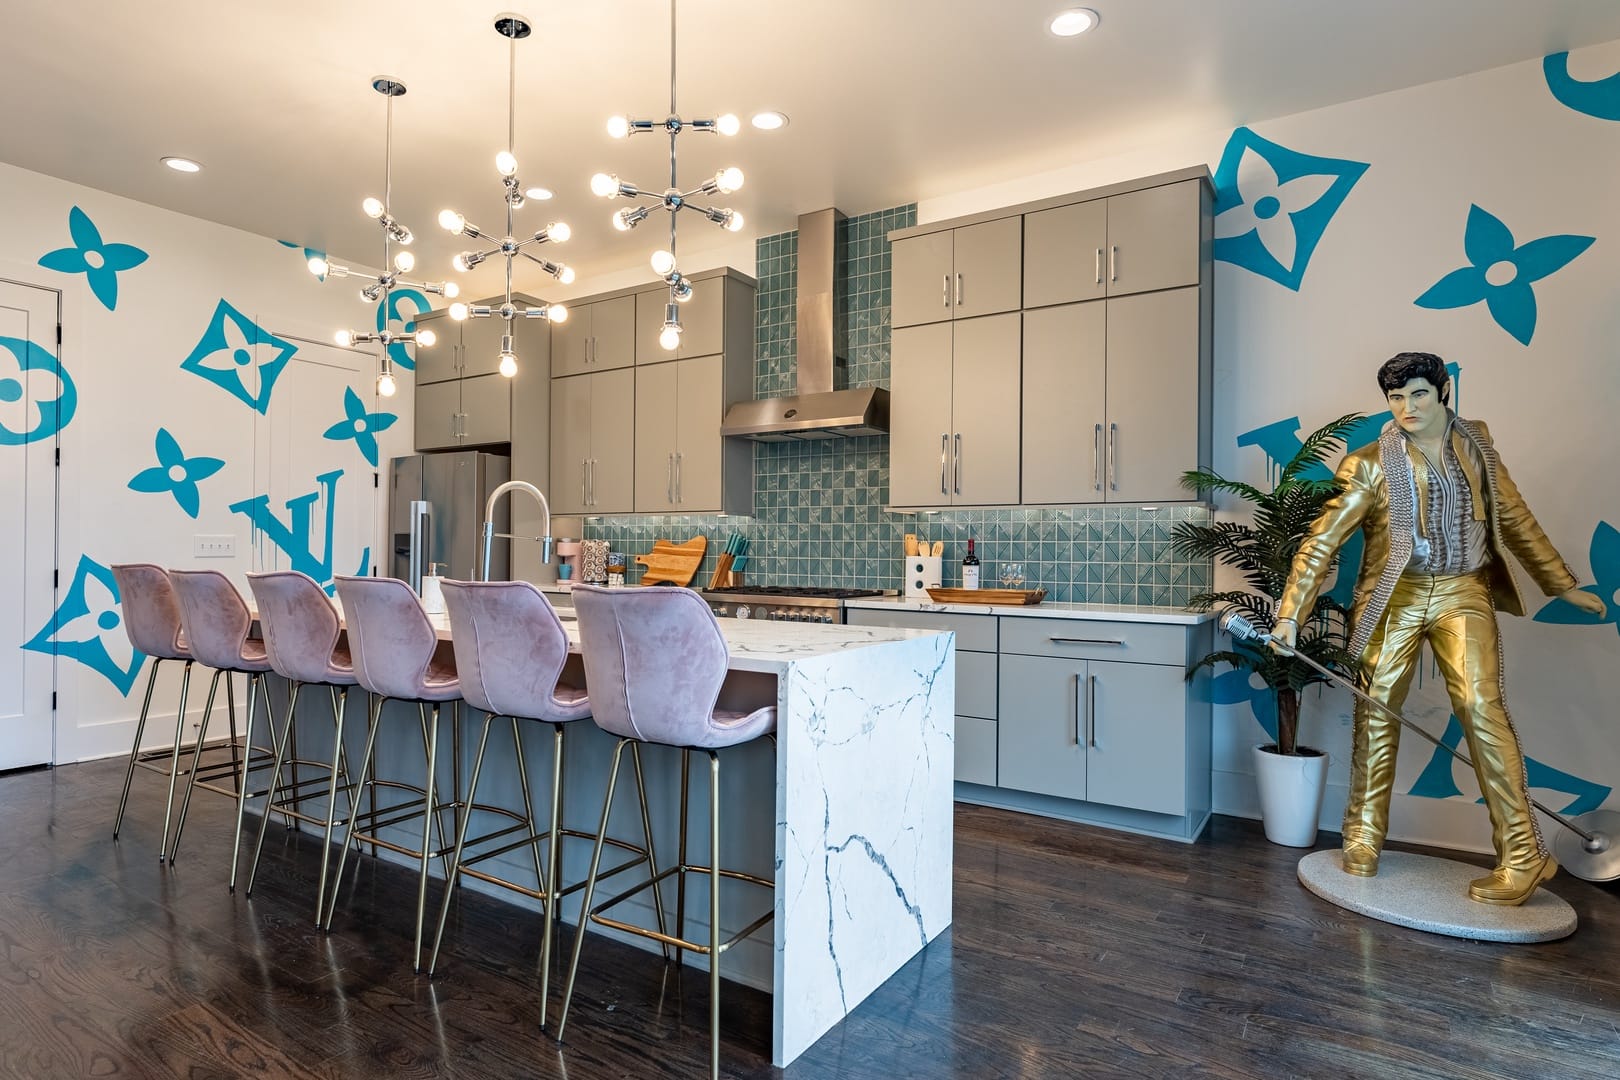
column 421, row 535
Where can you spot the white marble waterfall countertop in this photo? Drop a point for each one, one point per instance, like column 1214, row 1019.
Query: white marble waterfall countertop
column 1145, row 613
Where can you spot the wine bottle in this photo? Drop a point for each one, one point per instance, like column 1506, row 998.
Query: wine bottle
column 970, row 568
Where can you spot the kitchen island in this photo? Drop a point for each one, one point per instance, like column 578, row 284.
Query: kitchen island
column 853, row 809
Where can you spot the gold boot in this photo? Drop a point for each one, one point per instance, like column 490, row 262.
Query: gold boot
column 1360, row 859
column 1511, row 886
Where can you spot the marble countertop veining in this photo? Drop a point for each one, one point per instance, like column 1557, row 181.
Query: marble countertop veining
column 1141, row 613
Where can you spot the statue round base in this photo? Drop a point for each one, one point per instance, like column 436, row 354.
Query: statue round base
column 1426, row 893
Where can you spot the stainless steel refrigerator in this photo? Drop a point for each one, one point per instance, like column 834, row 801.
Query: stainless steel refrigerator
column 436, row 515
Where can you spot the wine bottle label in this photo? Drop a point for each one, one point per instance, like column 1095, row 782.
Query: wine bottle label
column 970, row 577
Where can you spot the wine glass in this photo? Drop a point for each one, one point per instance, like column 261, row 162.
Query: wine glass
column 1012, row 575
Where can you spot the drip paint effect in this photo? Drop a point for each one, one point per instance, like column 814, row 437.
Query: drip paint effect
column 1501, row 272
column 99, row 261
column 239, row 357
column 1438, row 781
column 1605, row 559
column 37, row 398
column 1273, row 204
column 360, row 425
column 1599, row 98
column 88, row 628
column 176, row 474
column 390, row 319
column 294, row 537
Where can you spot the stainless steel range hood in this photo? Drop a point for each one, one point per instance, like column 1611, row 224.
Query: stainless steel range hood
column 823, row 408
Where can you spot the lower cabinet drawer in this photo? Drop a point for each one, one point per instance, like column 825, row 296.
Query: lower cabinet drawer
column 976, row 750
column 1095, row 639
column 974, row 633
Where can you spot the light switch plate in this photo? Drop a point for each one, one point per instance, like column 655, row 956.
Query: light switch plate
column 213, row 547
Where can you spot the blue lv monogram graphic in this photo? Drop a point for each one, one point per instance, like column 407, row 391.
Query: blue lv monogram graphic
column 295, row 539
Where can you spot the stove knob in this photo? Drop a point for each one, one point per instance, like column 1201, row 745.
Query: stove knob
column 826, row 618
column 744, row 611
column 721, row 611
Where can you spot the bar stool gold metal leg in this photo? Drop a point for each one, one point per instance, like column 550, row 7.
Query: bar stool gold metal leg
column 714, row 914
column 275, row 778
column 528, row 805
column 196, row 759
column 553, row 888
column 135, row 751
column 461, row 843
column 427, row 833
column 174, row 758
column 680, row 878
column 255, row 681
column 590, row 888
column 374, row 711
column 652, row 859
column 339, row 705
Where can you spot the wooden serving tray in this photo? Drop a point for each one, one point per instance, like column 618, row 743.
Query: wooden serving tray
column 675, row 563
column 1019, row 597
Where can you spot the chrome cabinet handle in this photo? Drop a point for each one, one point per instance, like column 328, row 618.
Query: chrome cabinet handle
column 945, row 290
column 1099, row 266
column 584, row 491
column 1113, row 262
column 1079, row 681
column 669, row 478
column 1113, row 457
column 680, row 496
column 593, row 481
column 958, row 470
column 1096, row 447
column 1091, row 711
column 958, row 290
column 944, row 448
column 1085, row 640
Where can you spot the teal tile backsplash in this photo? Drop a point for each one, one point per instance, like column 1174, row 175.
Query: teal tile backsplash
column 819, row 515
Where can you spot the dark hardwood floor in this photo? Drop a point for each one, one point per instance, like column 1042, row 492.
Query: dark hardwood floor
column 1075, row 952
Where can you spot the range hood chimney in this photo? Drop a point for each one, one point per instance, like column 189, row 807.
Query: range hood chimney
column 823, row 408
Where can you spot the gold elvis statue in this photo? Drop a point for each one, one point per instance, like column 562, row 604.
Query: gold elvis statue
column 1439, row 513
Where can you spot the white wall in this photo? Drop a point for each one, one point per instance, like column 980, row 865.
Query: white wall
column 126, row 364
column 1503, row 141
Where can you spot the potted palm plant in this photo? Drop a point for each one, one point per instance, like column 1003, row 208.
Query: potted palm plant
column 1291, row 777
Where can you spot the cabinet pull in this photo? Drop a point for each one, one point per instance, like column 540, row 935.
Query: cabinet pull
column 1091, row 711
column 945, row 290
column 669, row 478
column 958, row 290
column 584, row 491
column 1085, row 640
column 1099, row 266
column 590, row 350
column 1096, row 447
column 593, row 481
column 1113, row 457
column 944, row 448
column 1113, row 262
column 680, row 496
column 957, row 472
column 1079, row 680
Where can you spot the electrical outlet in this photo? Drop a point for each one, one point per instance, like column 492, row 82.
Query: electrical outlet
column 213, row 547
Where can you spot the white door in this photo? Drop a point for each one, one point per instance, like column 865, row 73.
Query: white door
column 29, row 318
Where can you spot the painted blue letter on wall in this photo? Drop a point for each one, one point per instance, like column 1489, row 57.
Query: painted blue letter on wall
column 240, row 358
column 88, row 627
column 1599, row 98
column 389, row 318
column 294, row 537
column 99, row 261
column 37, row 398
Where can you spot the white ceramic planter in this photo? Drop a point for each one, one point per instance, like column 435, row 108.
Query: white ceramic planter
column 1291, row 788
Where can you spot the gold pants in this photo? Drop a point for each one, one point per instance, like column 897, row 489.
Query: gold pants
column 1455, row 615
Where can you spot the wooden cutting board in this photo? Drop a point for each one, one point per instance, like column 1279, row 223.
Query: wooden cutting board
column 671, row 562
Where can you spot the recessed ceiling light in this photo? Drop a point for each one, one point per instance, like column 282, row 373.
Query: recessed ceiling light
column 538, row 193
column 1074, row 21
column 180, row 164
column 769, row 120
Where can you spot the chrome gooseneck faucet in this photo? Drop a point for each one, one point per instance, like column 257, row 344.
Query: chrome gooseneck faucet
column 489, row 521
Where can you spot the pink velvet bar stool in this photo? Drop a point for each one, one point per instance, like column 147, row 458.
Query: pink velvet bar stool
column 304, row 640
column 654, row 662
column 218, row 624
column 510, row 651
column 152, row 622
column 396, row 655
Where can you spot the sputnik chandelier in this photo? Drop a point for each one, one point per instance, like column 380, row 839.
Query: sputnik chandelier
column 394, row 263
column 512, row 27
column 673, row 198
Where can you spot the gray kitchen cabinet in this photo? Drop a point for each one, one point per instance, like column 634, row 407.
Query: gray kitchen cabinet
column 531, row 457
column 597, row 336
column 461, row 399
column 954, row 421
column 957, row 273
column 464, row 413
column 1064, row 393
column 440, row 361
column 657, row 435
column 1137, row 241
column 702, row 322
column 682, row 463
column 438, row 415
column 592, row 443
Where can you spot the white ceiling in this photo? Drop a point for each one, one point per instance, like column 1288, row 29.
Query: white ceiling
column 891, row 100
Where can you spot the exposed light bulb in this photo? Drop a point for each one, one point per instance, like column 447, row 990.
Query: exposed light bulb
column 451, row 290
column 372, row 207
column 506, row 163
column 367, row 295
column 621, row 220
column 508, row 365
column 670, row 338
column 452, row 221
column 386, row 385
column 458, row 312
column 618, row 126
column 403, row 235
column 318, row 266
column 460, row 262
column 728, row 180
column 427, row 338
column 567, row 275
column 682, row 292
column 605, row 185
column 558, row 231
column 404, row 261
column 662, row 262
column 728, row 124
column 557, row 313
column 734, row 223
column 343, row 338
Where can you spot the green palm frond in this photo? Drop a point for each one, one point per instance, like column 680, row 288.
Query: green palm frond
column 1319, row 445
column 1209, row 480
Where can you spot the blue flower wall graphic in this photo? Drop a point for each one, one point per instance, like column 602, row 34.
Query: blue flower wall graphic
column 1501, row 272
column 99, row 261
column 88, row 628
column 1239, row 686
column 389, row 315
column 294, row 536
column 360, row 425
column 1599, row 98
column 1273, row 204
column 309, row 253
column 239, row 357
column 1605, row 559
column 1438, row 781
column 37, row 397
column 175, row 473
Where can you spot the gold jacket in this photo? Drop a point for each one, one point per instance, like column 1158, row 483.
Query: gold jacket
column 1385, row 514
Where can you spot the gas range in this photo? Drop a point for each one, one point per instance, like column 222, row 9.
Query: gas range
column 785, row 603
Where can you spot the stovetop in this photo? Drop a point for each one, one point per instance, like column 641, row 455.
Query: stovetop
column 785, row 591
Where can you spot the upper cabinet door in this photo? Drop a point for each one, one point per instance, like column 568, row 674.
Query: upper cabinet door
column 570, row 444
column 988, row 275
column 657, row 417
column 481, row 345
column 920, row 416
column 438, row 362
column 984, row 411
column 613, row 333
column 438, row 415
column 1153, row 238
column 486, row 410
column 1065, row 375
column 1066, row 254
column 613, row 432
column 571, row 342
column 921, row 287
column 698, row 465
column 1153, row 392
